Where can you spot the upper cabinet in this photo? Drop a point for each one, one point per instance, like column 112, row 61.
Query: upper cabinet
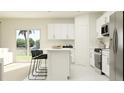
column 51, row 31
column 70, row 31
column 60, row 31
column 101, row 21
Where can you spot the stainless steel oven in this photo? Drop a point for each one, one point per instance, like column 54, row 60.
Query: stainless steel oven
column 98, row 60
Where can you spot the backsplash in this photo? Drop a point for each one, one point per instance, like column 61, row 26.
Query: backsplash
column 107, row 42
column 103, row 43
column 59, row 43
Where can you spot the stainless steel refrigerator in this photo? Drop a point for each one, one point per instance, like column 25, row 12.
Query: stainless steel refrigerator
column 116, row 46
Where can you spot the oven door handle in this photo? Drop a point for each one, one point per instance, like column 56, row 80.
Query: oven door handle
column 98, row 54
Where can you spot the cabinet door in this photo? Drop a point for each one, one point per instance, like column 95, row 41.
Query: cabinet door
column 64, row 31
column 57, row 31
column 70, row 31
column 81, row 44
column 99, row 22
column 59, row 65
column 60, row 31
column 98, row 27
column 107, row 16
column 51, row 33
column 104, row 63
column 107, row 66
column 102, row 20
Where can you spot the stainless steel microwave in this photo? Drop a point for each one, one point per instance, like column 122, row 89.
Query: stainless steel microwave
column 105, row 30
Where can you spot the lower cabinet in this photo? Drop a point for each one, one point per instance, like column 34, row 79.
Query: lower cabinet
column 105, row 62
column 59, row 61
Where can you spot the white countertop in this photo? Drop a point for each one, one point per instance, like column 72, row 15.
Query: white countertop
column 61, row 49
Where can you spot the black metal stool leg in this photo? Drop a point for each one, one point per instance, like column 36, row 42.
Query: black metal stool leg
column 33, row 69
column 37, row 69
column 30, row 70
column 46, row 69
column 37, row 63
column 39, row 66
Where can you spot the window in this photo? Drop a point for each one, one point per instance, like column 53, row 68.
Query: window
column 26, row 40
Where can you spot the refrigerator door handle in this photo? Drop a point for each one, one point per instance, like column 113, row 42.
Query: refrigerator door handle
column 114, row 41
column 110, row 42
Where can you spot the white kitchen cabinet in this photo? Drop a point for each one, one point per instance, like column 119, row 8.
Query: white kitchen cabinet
column 70, row 31
column 60, row 31
column 51, row 31
column 106, row 16
column 59, row 64
column 105, row 62
column 82, row 40
column 101, row 21
column 91, row 56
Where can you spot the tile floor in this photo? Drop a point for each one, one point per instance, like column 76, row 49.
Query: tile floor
column 85, row 73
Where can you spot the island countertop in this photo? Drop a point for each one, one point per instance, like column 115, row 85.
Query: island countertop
column 61, row 49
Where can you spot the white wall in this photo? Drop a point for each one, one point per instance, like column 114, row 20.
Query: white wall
column 9, row 26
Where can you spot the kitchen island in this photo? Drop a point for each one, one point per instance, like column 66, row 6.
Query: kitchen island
column 59, row 61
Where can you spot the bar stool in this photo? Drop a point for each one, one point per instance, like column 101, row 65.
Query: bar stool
column 37, row 69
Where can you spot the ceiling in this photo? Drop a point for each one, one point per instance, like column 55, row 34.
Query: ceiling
column 41, row 14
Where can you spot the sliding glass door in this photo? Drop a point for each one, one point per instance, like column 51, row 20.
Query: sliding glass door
column 26, row 40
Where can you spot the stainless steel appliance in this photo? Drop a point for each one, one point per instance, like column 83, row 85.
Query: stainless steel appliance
column 105, row 30
column 116, row 46
column 98, row 60
column 1, row 69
